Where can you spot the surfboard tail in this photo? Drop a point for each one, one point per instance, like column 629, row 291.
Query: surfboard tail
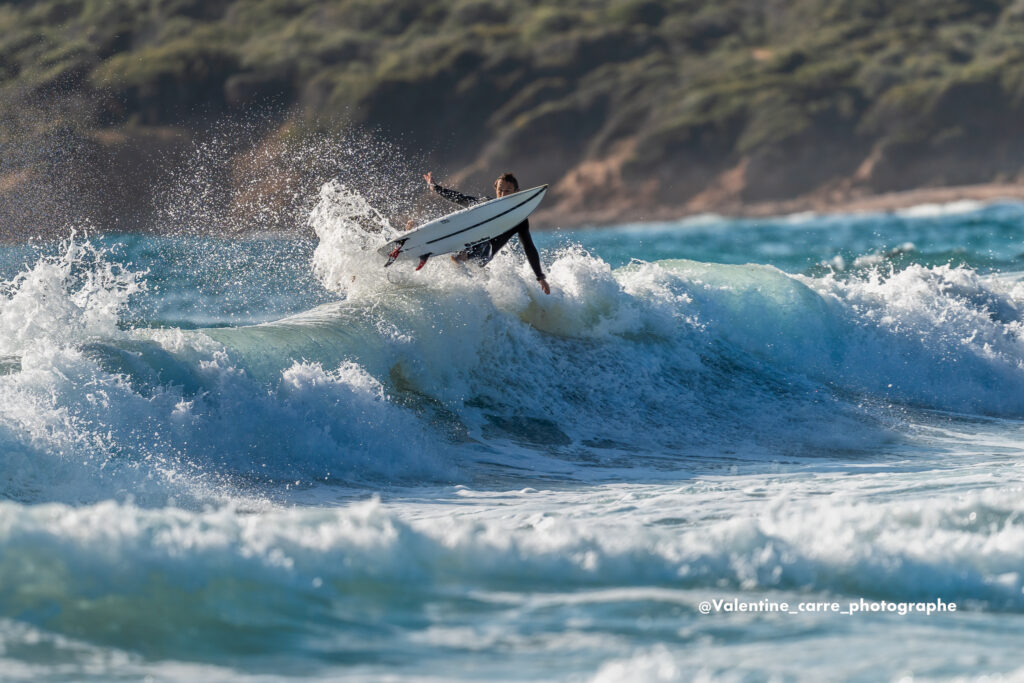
column 394, row 252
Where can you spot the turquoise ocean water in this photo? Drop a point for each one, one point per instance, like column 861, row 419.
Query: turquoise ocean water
column 270, row 459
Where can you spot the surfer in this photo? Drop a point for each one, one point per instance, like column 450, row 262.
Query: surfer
column 483, row 253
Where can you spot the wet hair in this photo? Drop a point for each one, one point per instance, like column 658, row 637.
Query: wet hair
column 509, row 178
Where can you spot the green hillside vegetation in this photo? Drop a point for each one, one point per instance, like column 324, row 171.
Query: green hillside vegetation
column 678, row 102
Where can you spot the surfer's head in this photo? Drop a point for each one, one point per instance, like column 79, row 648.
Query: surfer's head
column 505, row 184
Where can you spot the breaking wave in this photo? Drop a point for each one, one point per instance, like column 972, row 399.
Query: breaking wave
column 424, row 377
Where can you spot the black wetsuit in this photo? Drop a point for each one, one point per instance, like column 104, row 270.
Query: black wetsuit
column 483, row 253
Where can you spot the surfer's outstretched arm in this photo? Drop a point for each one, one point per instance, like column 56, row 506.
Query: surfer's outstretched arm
column 450, row 195
column 531, row 254
column 530, row 248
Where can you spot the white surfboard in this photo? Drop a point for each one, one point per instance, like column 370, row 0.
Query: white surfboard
column 464, row 228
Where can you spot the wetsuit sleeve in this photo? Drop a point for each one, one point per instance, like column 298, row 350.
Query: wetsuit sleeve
column 455, row 196
column 531, row 249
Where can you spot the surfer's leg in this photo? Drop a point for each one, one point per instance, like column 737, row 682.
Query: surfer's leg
column 483, row 253
column 480, row 252
column 500, row 241
column 474, row 253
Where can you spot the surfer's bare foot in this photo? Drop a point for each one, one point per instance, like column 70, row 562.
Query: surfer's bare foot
column 459, row 258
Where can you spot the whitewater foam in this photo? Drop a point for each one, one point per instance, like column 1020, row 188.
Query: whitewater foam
column 945, row 209
column 961, row 548
column 75, row 295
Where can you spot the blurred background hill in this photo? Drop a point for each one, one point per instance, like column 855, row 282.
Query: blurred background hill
column 630, row 109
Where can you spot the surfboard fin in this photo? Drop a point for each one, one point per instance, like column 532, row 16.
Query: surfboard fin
column 423, row 261
column 394, row 254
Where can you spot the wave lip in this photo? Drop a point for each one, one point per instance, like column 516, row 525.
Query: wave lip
column 936, row 337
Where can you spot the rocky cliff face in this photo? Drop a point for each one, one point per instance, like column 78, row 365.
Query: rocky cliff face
column 627, row 108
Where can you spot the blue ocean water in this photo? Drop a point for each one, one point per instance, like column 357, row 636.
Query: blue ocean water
column 269, row 458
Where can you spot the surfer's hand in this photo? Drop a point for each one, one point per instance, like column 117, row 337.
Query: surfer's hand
column 429, row 177
column 544, row 286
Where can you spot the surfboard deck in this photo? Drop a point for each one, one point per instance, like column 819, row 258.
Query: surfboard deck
column 463, row 228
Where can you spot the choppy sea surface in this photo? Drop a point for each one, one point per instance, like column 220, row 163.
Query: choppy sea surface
column 270, row 458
